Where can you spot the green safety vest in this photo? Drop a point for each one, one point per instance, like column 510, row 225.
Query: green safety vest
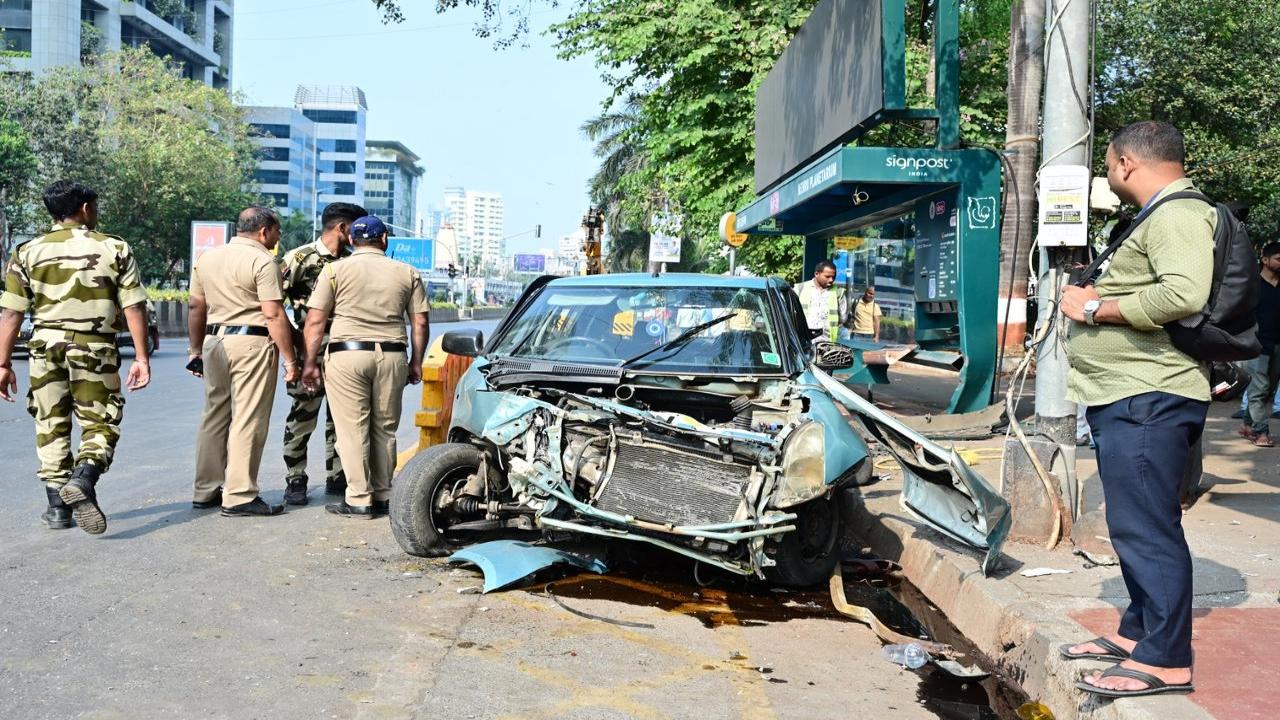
column 833, row 307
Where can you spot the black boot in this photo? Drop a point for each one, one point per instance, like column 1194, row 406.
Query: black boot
column 295, row 492
column 336, row 485
column 58, row 516
column 80, row 495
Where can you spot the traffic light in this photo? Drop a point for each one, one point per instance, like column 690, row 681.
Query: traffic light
column 537, row 231
column 453, row 271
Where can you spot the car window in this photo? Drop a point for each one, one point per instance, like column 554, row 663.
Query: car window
column 607, row 326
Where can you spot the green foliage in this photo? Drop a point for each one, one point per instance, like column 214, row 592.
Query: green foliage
column 443, row 305
column 296, row 230
column 91, row 39
column 160, row 150
column 167, row 295
column 17, row 167
column 1198, row 65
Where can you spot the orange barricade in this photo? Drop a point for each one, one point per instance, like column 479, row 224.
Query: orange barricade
column 440, row 375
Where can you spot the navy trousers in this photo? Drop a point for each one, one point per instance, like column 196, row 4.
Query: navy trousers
column 1144, row 443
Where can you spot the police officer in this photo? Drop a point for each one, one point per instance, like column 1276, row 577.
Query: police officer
column 76, row 283
column 368, row 296
column 237, row 329
column 299, row 270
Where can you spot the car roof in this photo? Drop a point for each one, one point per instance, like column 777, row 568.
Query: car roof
column 667, row 280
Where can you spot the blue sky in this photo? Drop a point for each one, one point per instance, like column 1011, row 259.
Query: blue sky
column 486, row 119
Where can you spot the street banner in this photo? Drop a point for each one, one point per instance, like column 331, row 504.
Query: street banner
column 206, row 235
column 532, row 263
column 418, row 252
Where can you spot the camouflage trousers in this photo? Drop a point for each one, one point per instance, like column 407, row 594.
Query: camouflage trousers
column 303, row 417
column 73, row 379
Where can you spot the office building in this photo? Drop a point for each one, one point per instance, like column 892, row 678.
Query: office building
column 455, row 214
column 338, row 113
column 391, row 176
column 41, row 34
column 287, row 156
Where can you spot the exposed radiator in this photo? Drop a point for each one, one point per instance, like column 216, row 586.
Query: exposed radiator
column 666, row 486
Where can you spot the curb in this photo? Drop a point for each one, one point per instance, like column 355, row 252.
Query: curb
column 1017, row 631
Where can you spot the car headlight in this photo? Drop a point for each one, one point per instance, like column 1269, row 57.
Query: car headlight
column 804, row 466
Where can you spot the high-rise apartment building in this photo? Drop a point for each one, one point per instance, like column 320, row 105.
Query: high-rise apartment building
column 478, row 219
column 41, row 34
column 339, row 116
column 391, row 174
column 287, row 157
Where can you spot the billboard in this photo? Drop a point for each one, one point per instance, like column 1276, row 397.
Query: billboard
column 418, row 252
column 829, row 81
column 206, row 235
column 534, row 263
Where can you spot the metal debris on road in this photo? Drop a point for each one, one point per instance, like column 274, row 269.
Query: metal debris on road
column 1096, row 559
column 589, row 616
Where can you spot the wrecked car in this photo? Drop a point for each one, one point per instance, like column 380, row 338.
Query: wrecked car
column 690, row 412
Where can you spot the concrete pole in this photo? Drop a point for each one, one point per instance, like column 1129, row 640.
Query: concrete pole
column 1065, row 142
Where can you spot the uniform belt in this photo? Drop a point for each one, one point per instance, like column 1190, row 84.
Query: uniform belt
column 364, row 345
column 224, row 330
column 80, row 338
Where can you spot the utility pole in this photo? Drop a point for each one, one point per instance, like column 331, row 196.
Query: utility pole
column 1021, row 147
column 1067, row 140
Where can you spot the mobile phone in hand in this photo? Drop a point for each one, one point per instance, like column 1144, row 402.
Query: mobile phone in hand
column 196, row 365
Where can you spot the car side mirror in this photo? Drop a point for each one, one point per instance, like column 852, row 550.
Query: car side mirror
column 467, row 343
column 832, row 356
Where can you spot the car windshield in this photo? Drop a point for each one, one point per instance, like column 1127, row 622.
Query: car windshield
column 606, row 326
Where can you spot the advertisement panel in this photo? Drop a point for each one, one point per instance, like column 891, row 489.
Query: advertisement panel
column 533, row 263
column 206, row 235
column 418, row 252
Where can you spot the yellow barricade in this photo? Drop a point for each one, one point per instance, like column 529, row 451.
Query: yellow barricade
column 440, row 375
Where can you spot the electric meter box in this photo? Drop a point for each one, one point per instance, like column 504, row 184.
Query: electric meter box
column 1064, row 206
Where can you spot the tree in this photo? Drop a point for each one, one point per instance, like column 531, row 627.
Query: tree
column 620, row 155
column 17, row 166
column 295, row 231
column 160, row 150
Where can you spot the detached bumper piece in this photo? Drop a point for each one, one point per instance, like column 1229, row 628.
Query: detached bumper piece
column 506, row 562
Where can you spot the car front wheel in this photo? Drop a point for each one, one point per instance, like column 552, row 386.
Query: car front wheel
column 424, row 499
column 807, row 555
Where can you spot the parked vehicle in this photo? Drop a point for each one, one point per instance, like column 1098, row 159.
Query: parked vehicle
column 691, row 412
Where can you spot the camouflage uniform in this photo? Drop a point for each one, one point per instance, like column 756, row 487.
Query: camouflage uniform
column 301, row 268
column 75, row 283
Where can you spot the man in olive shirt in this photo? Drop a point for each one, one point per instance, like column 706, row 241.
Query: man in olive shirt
column 368, row 295
column 236, row 290
column 1147, row 403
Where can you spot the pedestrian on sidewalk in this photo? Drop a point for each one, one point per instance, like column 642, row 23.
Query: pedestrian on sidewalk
column 299, row 271
column 1147, row 404
column 238, row 330
column 79, row 285
column 367, row 296
column 1264, row 370
column 823, row 302
column 866, row 316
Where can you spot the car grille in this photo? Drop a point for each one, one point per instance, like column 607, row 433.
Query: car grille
column 662, row 485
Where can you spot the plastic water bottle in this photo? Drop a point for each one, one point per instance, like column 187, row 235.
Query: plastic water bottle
column 909, row 655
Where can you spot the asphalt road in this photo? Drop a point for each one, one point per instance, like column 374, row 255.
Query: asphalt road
column 180, row 613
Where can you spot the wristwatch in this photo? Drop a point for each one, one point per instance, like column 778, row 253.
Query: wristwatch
column 1090, row 308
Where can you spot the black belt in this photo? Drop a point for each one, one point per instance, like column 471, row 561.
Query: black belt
column 224, row 330
column 365, row 345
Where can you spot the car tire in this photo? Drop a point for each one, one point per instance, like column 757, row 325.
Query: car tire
column 153, row 341
column 412, row 521
column 807, row 555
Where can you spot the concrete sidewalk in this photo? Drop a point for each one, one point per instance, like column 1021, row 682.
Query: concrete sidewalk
column 1020, row 622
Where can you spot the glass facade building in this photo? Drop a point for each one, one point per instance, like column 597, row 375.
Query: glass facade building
column 287, row 158
column 43, row 34
column 337, row 112
column 391, row 176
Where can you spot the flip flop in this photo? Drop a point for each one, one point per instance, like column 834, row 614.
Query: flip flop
column 1155, row 686
column 1246, row 433
column 1114, row 652
column 1263, row 440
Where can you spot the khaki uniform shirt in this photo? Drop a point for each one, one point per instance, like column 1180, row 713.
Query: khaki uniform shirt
column 368, row 295
column 234, row 280
column 299, row 270
column 1162, row 273
column 864, row 316
column 73, row 279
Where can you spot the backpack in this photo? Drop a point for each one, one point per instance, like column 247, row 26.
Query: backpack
column 1226, row 329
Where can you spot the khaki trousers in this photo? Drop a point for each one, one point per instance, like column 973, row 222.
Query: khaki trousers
column 365, row 389
column 239, row 388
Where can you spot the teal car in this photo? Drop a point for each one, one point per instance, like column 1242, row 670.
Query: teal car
column 690, row 412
